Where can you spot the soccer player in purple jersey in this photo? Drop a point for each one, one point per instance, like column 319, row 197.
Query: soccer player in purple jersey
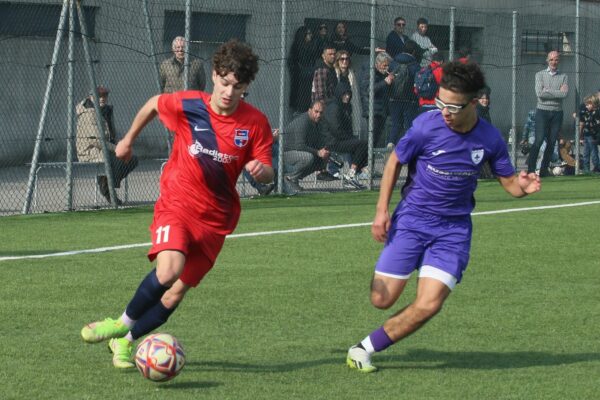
column 430, row 229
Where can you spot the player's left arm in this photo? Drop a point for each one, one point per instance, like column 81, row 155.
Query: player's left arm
column 521, row 184
column 261, row 155
column 261, row 173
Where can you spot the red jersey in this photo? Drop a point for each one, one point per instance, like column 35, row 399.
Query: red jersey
column 208, row 154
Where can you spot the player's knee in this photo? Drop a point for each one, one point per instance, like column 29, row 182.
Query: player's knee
column 381, row 300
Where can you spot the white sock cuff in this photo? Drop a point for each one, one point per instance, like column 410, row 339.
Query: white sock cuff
column 366, row 343
column 128, row 322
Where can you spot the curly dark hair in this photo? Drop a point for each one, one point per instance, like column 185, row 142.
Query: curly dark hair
column 237, row 57
column 465, row 78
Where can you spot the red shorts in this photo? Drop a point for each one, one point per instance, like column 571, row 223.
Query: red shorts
column 200, row 245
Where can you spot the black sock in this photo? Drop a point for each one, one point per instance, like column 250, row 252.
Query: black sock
column 152, row 319
column 146, row 296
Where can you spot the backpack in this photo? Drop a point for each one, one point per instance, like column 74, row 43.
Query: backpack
column 425, row 84
column 401, row 88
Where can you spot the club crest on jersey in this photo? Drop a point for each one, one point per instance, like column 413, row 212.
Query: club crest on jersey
column 476, row 156
column 241, row 137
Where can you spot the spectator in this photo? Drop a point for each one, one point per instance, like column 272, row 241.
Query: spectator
column 427, row 102
column 171, row 70
column 420, row 36
column 301, row 64
column 324, row 78
column 304, row 148
column 551, row 88
column 396, row 39
column 528, row 138
column 346, row 76
column 464, row 55
column 322, row 36
column 381, row 89
column 338, row 117
column 566, row 155
column 483, row 104
column 341, row 40
column 589, row 131
column 89, row 140
column 403, row 101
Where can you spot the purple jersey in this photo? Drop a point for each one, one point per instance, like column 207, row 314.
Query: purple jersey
column 443, row 165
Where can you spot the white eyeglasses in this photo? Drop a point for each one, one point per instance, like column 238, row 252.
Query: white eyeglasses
column 452, row 108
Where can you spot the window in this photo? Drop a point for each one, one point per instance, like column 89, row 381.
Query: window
column 39, row 20
column 542, row 42
column 358, row 31
column 465, row 37
column 209, row 28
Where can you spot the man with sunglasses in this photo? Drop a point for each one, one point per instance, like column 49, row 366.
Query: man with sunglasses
column 430, row 229
column 396, row 39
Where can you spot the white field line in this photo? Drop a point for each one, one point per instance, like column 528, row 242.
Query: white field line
column 284, row 231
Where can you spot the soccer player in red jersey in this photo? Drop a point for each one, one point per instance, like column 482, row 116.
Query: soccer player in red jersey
column 215, row 137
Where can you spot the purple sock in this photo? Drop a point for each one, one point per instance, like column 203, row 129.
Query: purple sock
column 380, row 339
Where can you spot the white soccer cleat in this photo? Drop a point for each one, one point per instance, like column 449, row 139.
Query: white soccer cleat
column 359, row 359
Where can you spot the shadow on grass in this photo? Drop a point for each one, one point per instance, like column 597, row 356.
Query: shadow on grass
column 431, row 359
column 417, row 359
column 188, row 385
column 259, row 368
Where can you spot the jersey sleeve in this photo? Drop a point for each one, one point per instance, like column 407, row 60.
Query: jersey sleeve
column 262, row 143
column 500, row 160
column 169, row 107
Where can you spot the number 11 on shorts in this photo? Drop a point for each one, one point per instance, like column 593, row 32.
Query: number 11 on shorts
column 162, row 234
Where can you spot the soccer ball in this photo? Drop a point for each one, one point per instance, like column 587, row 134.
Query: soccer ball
column 159, row 357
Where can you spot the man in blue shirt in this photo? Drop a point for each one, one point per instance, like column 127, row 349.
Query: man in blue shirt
column 430, row 229
column 396, row 39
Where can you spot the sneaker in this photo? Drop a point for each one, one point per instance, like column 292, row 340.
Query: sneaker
column 102, row 330
column 103, row 187
column 265, row 189
column 293, row 184
column 288, row 190
column 359, row 359
column 122, row 350
column 352, row 182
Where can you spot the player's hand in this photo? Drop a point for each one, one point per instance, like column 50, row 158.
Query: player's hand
column 529, row 182
column 124, row 150
column 255, row 168
column 381, row 226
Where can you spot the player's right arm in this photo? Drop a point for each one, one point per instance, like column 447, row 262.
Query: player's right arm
column 381, row 223
column 146, row 114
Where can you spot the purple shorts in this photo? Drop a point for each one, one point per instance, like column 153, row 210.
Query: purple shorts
column 417, row 239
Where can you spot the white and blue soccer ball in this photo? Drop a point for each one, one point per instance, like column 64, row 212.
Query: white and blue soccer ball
column 159, row 357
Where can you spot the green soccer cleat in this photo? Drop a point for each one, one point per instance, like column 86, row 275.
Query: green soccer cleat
column 102, row 330
column 359, row 359
column 121, row 349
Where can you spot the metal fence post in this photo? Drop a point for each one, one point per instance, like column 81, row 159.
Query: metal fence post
column 70, row 116
column 452, row 34
column 282, row 64
column 513, row 114
column 577, row 92
column 44, row 113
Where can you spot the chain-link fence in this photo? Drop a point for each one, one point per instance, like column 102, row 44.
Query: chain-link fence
column 54, row 52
